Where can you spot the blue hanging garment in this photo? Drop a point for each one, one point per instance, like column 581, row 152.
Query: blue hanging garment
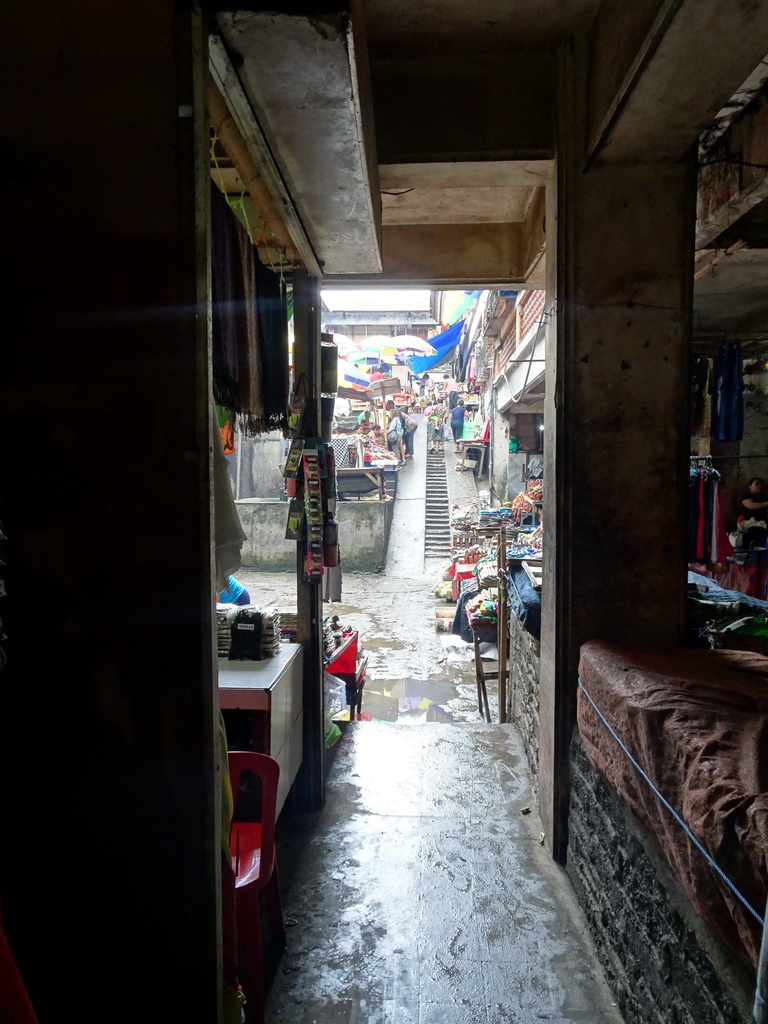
column 728, row 397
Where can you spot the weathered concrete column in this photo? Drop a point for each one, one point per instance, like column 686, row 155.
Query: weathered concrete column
column 108, row 730
column 310, row 783
column 616, row 422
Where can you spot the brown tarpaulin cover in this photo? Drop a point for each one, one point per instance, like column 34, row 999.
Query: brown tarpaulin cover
column 697, row 723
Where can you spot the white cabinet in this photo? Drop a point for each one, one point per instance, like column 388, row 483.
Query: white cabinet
column 273, row 690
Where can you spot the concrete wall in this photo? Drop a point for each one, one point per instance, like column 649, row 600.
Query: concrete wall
column 363, row 532
column 661, row 961
column 500, row 433
column 523, row 690
column 256, row 468
column 755, row 439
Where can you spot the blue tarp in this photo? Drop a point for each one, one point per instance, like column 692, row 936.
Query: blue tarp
column 443, row 342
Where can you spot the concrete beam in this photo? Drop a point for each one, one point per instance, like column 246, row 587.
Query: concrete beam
column 660, row 73
column 228, row 84
column 465, row 174
column 730, row 293
column 535, row 234
column 732, row 173
column 306, row 78
column 447, row 256
column 464, row 110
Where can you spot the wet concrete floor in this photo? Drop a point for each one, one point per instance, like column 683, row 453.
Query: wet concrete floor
column 422, row 895
column 415, row 673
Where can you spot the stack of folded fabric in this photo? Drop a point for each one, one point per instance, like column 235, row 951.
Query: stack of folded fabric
column 225, row 616
column 270, row 632
column 289, row 626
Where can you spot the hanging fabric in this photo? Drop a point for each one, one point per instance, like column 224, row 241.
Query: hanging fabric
column 728, row 393
column 707, row 537
column 249, row 327
column 701, row 396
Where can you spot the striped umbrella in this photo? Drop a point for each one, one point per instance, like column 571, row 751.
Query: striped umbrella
column 351, row 377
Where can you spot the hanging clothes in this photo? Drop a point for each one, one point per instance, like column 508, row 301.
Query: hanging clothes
column 707, row 537
column 249, row 327
column 701, row 397
column 228, row 531
column 728, row 393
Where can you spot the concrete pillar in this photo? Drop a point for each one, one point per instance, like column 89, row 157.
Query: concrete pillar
column 108, row 768
column 617, row 427
column 310, row 783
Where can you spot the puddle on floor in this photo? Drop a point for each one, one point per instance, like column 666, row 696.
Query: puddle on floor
column 416, row 701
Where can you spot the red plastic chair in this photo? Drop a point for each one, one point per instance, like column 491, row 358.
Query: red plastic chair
column 254, row 779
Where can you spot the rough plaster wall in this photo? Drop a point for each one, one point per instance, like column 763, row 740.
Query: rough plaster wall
column 661, row 961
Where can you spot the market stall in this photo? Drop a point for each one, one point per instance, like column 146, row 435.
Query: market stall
column 490, row 548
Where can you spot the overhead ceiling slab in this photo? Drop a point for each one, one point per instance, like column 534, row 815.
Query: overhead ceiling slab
column 695, row 55
column 402, row 28
column 455, row 205
column 465, row 174
column 729, row 292
column 307, row 80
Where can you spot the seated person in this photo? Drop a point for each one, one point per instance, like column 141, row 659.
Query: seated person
column 755, row 501
column 234, row 594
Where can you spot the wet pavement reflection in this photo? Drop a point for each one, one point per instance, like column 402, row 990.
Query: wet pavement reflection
column 422, row 893
column 415, row 674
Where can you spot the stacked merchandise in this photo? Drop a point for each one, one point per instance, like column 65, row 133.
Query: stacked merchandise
column 525, row 544
column 289, row 627
column 464, row 519
column 497, row 516
column 375, row 451
column 482, row 613
column 247, row 633
column 270, row 632
column 225, row 616
column 525, row 505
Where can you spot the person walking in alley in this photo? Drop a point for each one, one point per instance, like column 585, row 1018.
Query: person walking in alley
column 434, row 415
column 409, row 429
column 457, row 424
column 450, row 391
column 394, row 430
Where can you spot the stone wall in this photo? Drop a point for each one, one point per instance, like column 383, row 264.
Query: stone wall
column 523, row 690
column 662, row 962
column 364, row 528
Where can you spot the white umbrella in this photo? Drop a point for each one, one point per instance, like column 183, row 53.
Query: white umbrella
column 400, row 343
column 344, row 344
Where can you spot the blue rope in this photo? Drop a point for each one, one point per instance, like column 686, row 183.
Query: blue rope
column 671, row 809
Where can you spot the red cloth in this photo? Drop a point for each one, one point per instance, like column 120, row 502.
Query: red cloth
column 747, row 579
column 700, row 552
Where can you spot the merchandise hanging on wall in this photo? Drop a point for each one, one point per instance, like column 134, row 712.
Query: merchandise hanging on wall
column 728, row 394
column 313, row 510
column 249, row 327
column 707, row 537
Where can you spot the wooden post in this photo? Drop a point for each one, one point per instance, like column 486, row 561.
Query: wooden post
column 310, row 783
column 501, row 635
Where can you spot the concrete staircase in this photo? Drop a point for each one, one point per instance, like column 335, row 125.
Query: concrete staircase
column 437, row 538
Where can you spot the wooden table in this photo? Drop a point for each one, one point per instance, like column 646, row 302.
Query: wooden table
column 272, row 690
column 483, row 447
column 373, row 475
